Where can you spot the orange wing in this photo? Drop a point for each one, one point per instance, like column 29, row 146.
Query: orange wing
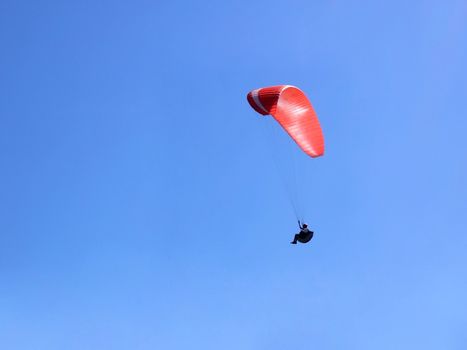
column 294, row 112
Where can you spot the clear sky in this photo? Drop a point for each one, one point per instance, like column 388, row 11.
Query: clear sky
column 139, row 208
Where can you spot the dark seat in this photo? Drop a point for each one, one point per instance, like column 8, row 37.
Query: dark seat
column 305, row 237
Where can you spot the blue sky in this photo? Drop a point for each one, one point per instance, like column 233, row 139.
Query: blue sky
column 140, row 207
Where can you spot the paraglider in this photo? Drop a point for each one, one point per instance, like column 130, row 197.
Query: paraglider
column 289, row 106
column 304, row 236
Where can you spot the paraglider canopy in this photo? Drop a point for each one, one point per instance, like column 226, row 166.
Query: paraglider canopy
column 294, row 112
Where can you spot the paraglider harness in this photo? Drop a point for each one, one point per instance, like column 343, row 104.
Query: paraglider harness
column 305, row 235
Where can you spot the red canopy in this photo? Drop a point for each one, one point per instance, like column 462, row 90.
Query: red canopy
column 294, row 112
